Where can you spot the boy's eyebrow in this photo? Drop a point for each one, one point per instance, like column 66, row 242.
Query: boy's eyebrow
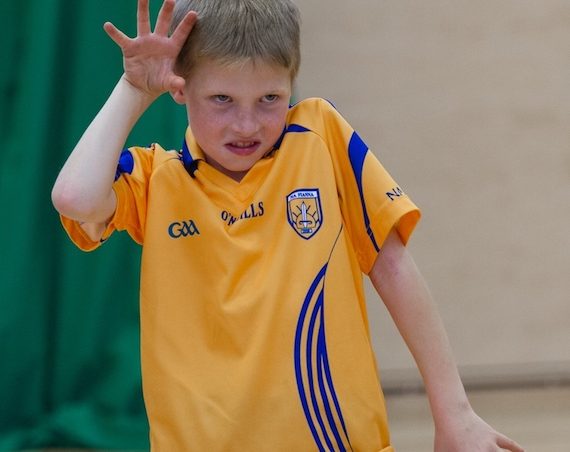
column 225, row 90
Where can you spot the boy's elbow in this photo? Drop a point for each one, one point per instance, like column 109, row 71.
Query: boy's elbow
column 70, row 202
column 64, row 200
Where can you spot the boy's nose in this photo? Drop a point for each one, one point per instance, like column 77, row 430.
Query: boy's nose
column 246, row 123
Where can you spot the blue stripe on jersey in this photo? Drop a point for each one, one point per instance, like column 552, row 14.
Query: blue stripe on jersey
column 186, row 156
column 126, row 164
column 295, row 128
column 317, row 309
column 331, row 104
column 312, row 370
column 190, row 164
column 357, row 151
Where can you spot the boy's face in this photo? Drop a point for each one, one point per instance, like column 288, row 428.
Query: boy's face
column 237, row 112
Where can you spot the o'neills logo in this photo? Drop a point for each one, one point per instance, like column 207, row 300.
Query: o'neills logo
column 180, row 229
column 253, row 211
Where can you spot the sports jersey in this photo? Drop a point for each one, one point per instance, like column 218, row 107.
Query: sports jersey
column 254, row 331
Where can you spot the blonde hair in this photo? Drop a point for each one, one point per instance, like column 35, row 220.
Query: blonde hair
column 233, row 31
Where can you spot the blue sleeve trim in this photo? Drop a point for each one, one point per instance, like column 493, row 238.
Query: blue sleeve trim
column 126, row 164
column 357, row 151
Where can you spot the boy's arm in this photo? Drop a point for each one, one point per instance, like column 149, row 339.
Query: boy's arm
column 407, row 298
column 83, row 189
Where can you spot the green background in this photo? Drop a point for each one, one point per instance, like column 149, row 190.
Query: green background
column 69, row 334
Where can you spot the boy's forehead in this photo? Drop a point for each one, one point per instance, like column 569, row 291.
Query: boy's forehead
column 214, row 72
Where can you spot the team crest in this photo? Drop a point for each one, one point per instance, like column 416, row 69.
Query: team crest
column 304, row 212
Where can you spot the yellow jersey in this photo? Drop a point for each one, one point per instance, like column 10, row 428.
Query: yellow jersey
column 254, row 330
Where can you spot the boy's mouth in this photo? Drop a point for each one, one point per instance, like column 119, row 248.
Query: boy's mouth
column 243, row 148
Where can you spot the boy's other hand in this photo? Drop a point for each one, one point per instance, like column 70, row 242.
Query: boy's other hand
column 149, row 58
column 468, row 432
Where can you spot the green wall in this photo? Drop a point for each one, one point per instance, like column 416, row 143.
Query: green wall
column 69, row 337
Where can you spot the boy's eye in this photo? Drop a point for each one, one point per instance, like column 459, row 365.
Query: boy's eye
column 270, row 98
column 221, row 98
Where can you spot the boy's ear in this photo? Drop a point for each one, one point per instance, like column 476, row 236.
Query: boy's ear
column 178, row 96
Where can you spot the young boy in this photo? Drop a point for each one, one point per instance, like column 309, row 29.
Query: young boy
column 255, row 237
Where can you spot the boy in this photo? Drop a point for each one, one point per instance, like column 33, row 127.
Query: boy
column 255, row 236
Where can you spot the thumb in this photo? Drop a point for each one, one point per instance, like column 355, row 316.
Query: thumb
column 175, row 82
column 508, row 444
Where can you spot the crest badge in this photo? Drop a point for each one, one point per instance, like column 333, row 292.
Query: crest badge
column 304, row 212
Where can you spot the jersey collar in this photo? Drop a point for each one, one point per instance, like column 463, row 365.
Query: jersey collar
column 191, row 152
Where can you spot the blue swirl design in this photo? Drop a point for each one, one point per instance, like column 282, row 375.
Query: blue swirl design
column 314, row 380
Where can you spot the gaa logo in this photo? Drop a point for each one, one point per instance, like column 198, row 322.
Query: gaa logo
column 183, row 229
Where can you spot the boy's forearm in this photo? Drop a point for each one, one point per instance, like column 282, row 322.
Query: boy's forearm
column 84, row 185
column 422, row 329
column 407, row 298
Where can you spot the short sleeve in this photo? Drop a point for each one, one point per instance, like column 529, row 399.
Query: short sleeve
column 131, row 188
column 371, row 201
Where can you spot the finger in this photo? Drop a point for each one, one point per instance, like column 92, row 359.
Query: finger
column 115, row 34
column 184, row 28
column 508, row 444
column 143, row 18
column 164, row 18
column 176, row 82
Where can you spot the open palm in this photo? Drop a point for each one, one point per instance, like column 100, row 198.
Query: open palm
column 148, row 58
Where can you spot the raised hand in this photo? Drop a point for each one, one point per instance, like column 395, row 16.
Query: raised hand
column 148, row 59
